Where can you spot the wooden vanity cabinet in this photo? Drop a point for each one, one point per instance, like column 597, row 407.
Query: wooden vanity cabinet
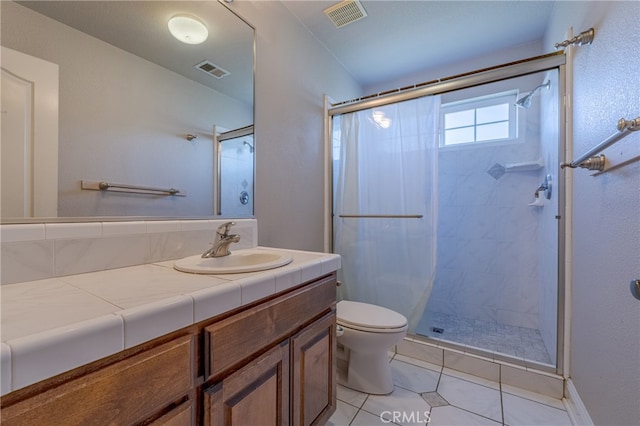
column 293, row 382
column 270, row 363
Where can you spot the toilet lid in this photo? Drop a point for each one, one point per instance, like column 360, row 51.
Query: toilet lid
column 360, row 314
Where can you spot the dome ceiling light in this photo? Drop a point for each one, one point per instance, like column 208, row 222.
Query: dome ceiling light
column 188, row 29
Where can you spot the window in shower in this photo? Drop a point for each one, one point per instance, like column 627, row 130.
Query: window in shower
column 479, row 120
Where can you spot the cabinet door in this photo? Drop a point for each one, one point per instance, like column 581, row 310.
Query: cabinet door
column 313, row 370
column 256, row 394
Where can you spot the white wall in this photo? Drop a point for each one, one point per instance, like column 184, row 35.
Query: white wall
column 605, row 319
column 294, row 71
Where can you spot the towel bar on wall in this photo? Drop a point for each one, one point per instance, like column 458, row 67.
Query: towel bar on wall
column 590, row 160
column 383, row 216
column 130, row 189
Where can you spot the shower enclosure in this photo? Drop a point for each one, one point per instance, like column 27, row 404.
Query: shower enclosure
column 497, row 209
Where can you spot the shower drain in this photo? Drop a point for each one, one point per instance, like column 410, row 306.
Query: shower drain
column 437, row 330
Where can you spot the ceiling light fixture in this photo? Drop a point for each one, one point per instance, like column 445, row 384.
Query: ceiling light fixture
column 188, row 29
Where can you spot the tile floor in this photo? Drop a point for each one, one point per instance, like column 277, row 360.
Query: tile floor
column 425, row 393
column 520, row 342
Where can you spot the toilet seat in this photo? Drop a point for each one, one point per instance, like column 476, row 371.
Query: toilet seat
column 370, row 318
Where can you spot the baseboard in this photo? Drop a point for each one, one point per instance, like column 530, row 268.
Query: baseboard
column 575, row 407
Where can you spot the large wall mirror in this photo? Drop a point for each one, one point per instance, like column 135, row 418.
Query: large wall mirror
column 97, row 92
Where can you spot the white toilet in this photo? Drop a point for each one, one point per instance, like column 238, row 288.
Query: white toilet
column 365, row 335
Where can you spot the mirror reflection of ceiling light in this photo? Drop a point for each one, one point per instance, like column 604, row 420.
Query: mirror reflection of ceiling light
column 188, row 29
column 381, row 119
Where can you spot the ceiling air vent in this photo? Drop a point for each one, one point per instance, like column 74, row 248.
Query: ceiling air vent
column 345, row 12
column 212, row 69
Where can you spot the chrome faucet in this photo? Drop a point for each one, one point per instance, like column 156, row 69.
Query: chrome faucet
column 220, row 247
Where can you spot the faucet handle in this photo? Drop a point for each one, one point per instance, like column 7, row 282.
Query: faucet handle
column 223, row 230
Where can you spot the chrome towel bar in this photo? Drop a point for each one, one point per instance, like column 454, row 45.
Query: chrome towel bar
column 590, row 161
column 382, row 216
column 130, row 189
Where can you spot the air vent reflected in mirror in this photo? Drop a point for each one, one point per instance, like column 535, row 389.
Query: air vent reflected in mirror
column 212, row 69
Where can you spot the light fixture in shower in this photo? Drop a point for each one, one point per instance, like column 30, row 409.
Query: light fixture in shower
column 381, row 119
column 188, row 29
column 525, row 101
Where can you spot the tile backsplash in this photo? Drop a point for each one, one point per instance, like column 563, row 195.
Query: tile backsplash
column 38, row 251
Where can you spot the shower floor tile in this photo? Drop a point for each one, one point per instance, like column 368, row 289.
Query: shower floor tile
column 520, row 342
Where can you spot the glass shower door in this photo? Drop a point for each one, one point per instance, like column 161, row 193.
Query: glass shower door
column 496, row 284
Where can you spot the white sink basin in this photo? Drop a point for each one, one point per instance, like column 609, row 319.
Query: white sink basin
column 248, row 260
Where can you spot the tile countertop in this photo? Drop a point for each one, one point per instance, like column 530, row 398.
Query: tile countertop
column 54, row 325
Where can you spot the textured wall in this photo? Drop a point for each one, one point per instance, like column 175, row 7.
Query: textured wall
column 605, row 320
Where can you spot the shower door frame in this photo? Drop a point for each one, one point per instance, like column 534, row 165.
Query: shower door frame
column 551, row 61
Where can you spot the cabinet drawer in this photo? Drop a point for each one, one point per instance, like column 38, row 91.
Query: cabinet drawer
column 122, row 393
column 229, row 342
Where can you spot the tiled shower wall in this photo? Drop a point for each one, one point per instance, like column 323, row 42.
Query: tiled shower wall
column 45, row 250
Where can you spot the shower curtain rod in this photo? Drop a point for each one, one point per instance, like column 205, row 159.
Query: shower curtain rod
column 455, row 82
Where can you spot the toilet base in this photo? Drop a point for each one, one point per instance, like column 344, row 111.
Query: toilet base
column 358, row 375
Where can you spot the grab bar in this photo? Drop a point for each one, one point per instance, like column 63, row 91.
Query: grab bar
column 590, row 161
column 384, row 216
column 130, row 189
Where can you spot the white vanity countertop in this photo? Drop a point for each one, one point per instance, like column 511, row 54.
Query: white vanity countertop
column 54, row 325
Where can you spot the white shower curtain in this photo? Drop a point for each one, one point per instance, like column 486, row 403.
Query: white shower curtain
column 388, row 165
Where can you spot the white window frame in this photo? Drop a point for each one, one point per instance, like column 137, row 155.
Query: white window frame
column 508, row 97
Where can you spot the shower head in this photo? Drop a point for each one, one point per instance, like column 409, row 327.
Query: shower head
column 249, row 145
column 525, row 101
